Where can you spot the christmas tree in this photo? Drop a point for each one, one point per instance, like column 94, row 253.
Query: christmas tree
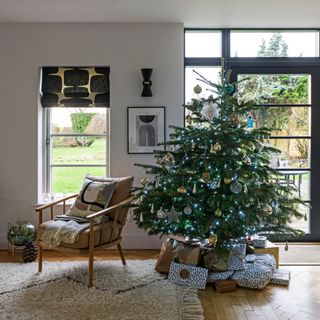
column 214, row 179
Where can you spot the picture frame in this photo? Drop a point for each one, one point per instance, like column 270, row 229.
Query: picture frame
column 146, row 127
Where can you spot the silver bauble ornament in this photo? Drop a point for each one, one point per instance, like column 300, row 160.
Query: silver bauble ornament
column 236, row 187
column 236, row 95
column 187, row 210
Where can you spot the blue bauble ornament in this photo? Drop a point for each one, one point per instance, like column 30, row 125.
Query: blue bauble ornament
column 229, row 88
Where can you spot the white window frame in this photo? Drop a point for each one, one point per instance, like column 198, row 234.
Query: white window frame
column 47, row 149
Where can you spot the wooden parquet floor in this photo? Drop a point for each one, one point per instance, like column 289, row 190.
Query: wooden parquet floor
column 300, row 301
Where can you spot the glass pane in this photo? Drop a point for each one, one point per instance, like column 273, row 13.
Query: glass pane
column 286, row 121
column 78, row 120
column 78, row 150
column 295, row 153
column 69, row 179
column 303, row 223
column 300, row 179
column 191, row 80
column 276, row 88
column 202, row 44
column 274, row 44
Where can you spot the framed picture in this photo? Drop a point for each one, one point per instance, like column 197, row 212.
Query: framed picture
column 146, row 128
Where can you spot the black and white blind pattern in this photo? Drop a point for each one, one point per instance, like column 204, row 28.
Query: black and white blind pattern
column 75, row 87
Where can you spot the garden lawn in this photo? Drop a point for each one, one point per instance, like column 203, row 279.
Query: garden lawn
column 69, row 179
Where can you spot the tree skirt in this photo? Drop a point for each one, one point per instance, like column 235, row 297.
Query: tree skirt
column 134, row 291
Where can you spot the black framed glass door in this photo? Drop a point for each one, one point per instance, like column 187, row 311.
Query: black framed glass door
column 289, row 97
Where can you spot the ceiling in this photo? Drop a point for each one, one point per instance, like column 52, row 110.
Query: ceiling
column 193, row 13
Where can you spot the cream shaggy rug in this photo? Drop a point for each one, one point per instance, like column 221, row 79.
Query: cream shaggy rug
column 132, row 292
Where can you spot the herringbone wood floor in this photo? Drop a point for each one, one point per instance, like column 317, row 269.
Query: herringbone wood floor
column 301, row 301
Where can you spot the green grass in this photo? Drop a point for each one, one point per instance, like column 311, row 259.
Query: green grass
column 95, row 154
column 69, row 180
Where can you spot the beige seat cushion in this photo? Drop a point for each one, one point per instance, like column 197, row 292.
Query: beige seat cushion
column 83, row 242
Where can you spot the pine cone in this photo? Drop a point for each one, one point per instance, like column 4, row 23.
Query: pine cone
column 30, row 252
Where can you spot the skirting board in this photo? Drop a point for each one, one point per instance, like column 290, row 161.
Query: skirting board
column 131, row 240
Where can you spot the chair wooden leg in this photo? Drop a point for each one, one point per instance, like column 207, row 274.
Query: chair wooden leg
column 91, row 253
column 39, row 257
column 121, row 254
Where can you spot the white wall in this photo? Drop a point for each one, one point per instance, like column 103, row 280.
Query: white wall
column 125, row 48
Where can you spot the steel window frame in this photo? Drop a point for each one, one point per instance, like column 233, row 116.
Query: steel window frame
column 265, row 65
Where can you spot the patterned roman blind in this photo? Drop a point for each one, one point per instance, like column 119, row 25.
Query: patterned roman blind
column 79, row 87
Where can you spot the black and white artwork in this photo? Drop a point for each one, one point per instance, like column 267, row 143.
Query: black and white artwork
column 146, row 128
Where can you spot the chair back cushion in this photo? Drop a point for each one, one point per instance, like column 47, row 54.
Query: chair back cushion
column 121, row 192
column 93, row 197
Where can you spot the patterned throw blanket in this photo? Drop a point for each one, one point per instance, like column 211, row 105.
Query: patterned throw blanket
column 63, row 230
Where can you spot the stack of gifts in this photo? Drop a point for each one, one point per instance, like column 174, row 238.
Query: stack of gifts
column 192, row 264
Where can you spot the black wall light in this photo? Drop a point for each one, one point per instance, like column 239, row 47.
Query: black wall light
column 147, row 83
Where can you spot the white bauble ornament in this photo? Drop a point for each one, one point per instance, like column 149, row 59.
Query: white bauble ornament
column 236, row 95
column 210, row 111
column 187, row 210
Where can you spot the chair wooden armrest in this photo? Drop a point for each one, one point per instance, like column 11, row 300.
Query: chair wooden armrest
column 52, row 204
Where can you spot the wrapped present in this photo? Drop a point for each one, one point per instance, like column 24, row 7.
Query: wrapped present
column 258, row 271
column 225, row 285
column 235, row 264
column 186, row 275
column 254, row 276
column 264, row 259
column 239, row 250
column 215, row 276
column 187, row 254
column 166, row 256
column 259, row 241
column 173, row 249
column 281, row 277
column 216, row 260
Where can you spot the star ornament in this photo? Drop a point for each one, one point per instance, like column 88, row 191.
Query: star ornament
column 174, row 215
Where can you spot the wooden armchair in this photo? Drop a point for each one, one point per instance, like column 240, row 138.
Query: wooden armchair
column 103, row 235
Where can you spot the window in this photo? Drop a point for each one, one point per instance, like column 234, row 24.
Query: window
column 75, row 102
column 192, row 79
column 203, row 44
column 274, row 43
column 76, row 144
column 282, row 68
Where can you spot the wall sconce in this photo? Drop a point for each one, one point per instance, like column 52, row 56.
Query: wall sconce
column 147, row 83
